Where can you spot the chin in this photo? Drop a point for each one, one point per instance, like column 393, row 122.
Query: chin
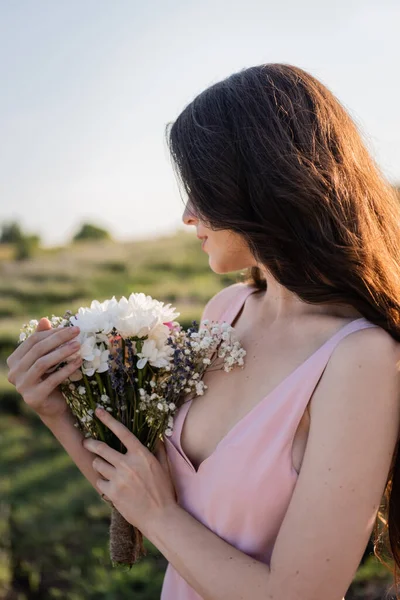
column 221, row 267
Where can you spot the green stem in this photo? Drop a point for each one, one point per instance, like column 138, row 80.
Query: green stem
column 98, row 423
column 99, row 382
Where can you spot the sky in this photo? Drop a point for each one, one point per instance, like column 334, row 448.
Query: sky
column 88, row 87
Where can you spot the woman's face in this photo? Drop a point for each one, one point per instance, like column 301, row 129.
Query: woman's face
column 227, row 250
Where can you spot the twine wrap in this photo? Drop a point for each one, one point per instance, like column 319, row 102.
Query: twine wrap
column 126, row 540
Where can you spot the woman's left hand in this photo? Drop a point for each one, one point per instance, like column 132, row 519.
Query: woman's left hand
column 138, row 483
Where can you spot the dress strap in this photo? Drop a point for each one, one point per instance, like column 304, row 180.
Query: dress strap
column 302, row 383
column 234, row 306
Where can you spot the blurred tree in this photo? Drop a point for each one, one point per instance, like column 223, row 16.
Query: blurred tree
column 88, row 231
column 11, row 233
column 26, row 247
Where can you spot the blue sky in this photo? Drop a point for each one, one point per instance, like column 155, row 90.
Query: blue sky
column 88, row 87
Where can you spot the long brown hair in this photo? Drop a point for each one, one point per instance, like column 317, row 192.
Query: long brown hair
column 270, row 153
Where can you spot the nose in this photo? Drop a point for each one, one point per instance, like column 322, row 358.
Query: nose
column 188, row 217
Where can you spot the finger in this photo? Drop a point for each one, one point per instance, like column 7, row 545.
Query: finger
column 48, row 352
column 104, row 468
column 46, row 364
column 159, row 450
column 104, row 487
column 39, row 343
column 44, row 324
column 53, row 380
column 24, row 347
column 129, row 440
column 104, row 450
column 162, row 456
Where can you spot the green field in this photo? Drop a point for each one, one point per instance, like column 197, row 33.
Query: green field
column 53, row 525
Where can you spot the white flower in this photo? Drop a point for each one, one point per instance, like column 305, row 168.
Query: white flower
column 100, row 317
column 22, row 336
column 140, row 315
column 171, row 406
column 157, row 357
column 87, row 345
column 81, row 390
column 168, row 431
column 98, row 362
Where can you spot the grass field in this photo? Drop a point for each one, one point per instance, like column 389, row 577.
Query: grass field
column 53, row 526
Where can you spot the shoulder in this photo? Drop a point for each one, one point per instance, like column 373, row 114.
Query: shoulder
column 218, row 303
column 353, row 432
column 371, row 350
column 364, row 366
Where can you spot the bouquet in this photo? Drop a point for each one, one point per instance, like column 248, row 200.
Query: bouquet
column 139, row 364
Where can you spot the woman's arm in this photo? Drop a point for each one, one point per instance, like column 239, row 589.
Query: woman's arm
column 62, row 427
column 354, row 427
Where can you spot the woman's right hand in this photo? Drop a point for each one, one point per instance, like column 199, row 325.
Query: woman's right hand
column 39, row 353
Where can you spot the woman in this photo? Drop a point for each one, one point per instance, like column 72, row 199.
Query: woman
column 280, row 468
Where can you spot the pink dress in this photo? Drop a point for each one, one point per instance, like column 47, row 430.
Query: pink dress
column 246, row 506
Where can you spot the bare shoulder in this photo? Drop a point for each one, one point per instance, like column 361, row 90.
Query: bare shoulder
column 353, row 432
column 372, row 350
column 365, row 360
column 218, row 303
